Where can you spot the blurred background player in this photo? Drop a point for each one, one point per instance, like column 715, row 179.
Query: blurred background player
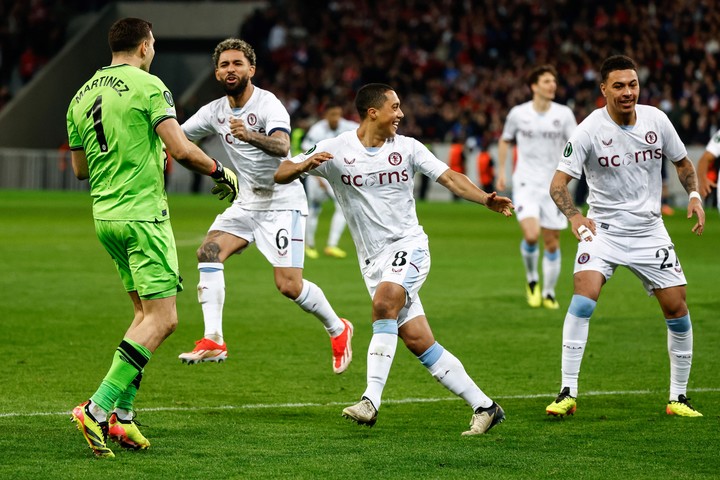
column 117, row 124
column 624, row 225
column 392, row 247
column 539, row 128
column 255, row 127
column 318, row 189
column 708, row 170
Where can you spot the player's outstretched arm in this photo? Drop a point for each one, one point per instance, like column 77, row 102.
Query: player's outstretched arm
column 289, row 170
column 582, row 227
column 463, row 187
column 689, row 180
column 183, row 150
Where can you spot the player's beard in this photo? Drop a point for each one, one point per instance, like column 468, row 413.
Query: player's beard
column 239, row 88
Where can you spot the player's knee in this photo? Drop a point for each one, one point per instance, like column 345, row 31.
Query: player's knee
column 384, row 307
column 552, row 245
column 171, row 325
column 165, row 324
column 530, row 243
column 675, row 309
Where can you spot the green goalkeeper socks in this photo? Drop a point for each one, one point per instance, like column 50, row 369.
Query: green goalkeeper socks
column 128, row 362
column 127, row 398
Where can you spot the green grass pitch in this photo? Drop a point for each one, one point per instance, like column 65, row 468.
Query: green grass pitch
column 273, row 409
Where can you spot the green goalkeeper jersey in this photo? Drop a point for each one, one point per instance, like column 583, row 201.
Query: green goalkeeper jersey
column 113, row 118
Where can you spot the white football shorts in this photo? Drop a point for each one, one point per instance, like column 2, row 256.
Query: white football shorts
column 652, row 257
column 404, row 263
column 536, row 202
column 279, row 234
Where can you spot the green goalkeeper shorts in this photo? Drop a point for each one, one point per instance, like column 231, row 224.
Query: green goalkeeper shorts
column 144, row 254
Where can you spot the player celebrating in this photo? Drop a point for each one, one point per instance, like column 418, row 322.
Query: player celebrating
column 620, row 148
column 318, row 189
column 540, row 128
column 117, row 124
column 371, row 171
column 255, row 129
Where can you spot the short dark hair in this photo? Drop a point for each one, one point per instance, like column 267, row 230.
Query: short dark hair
column 616, row 62
column 537, row 72
column 332, row 103
column 127, row 33
column 234, row 44
column 371, row 95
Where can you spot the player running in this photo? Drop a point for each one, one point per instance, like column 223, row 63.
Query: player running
column 371, row 171
column 539, row 128
column 255, row 131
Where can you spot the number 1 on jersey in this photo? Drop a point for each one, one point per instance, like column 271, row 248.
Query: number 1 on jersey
column 96, row 112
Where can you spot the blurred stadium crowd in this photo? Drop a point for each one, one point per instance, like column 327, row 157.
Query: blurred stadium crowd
column 458, row 65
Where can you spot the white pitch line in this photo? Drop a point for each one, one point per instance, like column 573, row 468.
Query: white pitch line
column 253, row 406
column 189, row 242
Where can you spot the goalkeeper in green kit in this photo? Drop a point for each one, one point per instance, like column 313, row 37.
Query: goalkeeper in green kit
column 117, row 124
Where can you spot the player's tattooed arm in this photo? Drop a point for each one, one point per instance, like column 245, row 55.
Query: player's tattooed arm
column 561, row 195
column 582, row 227
column 277, row 144
column 686, row 174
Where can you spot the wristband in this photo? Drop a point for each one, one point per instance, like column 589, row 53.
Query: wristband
column 694, row 195
column 218, row 171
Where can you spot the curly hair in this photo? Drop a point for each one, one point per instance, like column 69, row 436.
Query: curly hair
column 234, row 44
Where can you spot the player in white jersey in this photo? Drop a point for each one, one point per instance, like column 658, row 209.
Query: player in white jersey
column 255, row 130
column 711, row 154
column 620, row 148
column 371, row 171
column 539, row 128
column 318, row 189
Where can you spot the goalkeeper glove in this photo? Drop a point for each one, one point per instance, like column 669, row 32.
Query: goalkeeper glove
column 226, row 182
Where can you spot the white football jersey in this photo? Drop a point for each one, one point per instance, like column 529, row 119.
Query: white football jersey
column 622, row 166
column 263, row 113
column 540, row 137
column 321, row 131
column 375, row 188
